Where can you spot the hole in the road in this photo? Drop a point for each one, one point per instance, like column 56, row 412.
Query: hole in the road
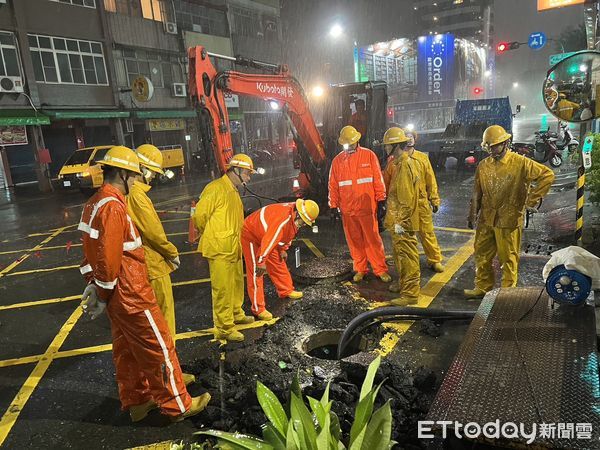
column 324, row 344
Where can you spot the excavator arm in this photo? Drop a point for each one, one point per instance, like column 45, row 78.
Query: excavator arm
column 207, row 87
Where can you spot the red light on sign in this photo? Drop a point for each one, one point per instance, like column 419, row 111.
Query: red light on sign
column 502, row 47
column 477, row 91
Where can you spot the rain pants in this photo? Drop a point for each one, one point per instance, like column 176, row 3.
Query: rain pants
column 502, row 191
column 219, row 217
column 144, row 354
column 355, row 187
column 403, row 210
column 158, row 251
column 266, row 234
column 428, row 197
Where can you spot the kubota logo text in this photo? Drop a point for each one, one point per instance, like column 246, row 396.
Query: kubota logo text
column 282, row 91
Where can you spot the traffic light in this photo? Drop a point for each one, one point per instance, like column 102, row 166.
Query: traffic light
column 505, row 46
column 477, row 90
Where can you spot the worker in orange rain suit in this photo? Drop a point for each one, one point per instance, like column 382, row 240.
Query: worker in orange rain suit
column 355, row 187
column 147, row 368
column 429, row 199
column 266, row 236
column 219, row 217
column 161, row 255
column 403, row 215
column 506, row 184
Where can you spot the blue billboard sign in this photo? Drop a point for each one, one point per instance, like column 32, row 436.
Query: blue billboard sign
column 435, row 73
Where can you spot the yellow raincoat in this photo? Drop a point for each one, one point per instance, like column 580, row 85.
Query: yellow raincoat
column 158, row 251
column 403, row 210
column 219, row 218
column 503, row 189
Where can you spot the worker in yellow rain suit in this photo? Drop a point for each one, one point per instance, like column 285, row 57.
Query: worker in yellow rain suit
column 506, row 184
column 402, row 217
column 161, row 256
column 219, row 217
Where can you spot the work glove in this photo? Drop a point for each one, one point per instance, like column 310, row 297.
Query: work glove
column 91, row 302
column 575, row 258
column 260, row 270
column 175, row 262
column 283, row 254
column 434, row 208
column 398, row 229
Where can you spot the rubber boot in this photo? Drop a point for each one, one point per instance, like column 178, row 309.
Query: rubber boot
column 265, row 315
column 404, row 301
column 188, row 378
column 198, row 405
column 358, row 277
column 474, row 293
column 294, row 295
column 233, row 336
column 385, row 277
column 437, row 267
column 244, row 320
column 139, row 412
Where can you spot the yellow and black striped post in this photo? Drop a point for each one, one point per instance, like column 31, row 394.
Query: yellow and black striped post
column 580, row 202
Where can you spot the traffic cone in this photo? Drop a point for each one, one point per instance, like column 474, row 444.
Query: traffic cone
column 192, row 230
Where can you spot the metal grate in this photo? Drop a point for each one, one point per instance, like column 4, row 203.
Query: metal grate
column 524, row 361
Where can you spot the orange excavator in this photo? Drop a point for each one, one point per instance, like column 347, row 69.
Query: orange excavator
column 208, row 86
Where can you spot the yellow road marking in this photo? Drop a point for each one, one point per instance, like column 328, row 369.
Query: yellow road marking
column 455, row 230
column 428, row 293
column 12, row 413
column 174, row 220
column 11, row 266
column 107, row 347
column 53, row 247
column 166, row 211
column 312, row 247
column 185, row 283
column 49, row 269
column 40, row 302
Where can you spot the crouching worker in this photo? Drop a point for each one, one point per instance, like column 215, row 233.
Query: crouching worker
column 266, row 236
column 219, row 218
column 147, row 368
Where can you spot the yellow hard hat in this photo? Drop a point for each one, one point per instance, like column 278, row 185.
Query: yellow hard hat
column 308, row 210
column 394, row 135
column 349, row 135
column 494, row 135
column 242, row 161
column 121, row 157
column 150, row 157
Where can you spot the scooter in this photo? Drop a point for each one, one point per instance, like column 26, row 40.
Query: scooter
column 566, row 139
column 544, row 150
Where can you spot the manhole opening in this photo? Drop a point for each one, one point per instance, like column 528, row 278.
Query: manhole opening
column 324, row 345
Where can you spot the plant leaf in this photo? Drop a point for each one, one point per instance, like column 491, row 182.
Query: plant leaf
column 272, row 407
column 295, row 388
column 379, row 430
column 273, row 437
column 317, row 410
column 370, row 377
column 364, row 409
column 292, row 442
column 325, row 398
column 240, row 441
column 303, row 423
column 324, row 434
column 357, row 444
column 336, row 429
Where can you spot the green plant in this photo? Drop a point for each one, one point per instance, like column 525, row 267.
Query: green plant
column 319, row 427
column 592, row 176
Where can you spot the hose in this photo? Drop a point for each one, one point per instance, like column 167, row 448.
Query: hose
column 396, row 313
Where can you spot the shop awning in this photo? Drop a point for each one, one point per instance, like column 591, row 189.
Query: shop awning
column 22, row 117
column 89, row 114
column 165, row 114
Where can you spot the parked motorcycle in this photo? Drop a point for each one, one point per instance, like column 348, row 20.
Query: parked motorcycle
column 544, row 150
column 566, row 139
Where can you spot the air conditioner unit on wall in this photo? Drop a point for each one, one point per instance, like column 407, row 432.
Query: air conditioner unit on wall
column 179, row 90
column 3, row 1
column 171, row 27
column 11, row 84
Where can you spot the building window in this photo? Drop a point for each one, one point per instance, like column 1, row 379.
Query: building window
column 201, row 19
column 86, row 3
column 162, row 69
column 148, row 9
column 67, row 61
column 9, row 58
column 246, row 22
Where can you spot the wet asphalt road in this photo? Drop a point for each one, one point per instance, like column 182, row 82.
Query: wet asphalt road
column 75, row 403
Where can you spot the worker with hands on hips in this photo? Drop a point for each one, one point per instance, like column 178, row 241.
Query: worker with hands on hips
column 147, row 368
column 355, row 187
column 402, row 217
column 506, row 184
column 266, row 236
column 219, row 217
column 429, row 199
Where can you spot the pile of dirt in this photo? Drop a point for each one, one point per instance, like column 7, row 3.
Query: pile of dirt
column 277, row 356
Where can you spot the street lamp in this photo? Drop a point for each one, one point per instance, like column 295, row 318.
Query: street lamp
column 318, row 91
column 487, row 73
column 336, row 30
column 515, row 84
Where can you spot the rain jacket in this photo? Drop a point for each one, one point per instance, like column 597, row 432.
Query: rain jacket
column 428, row 188
column 113, row 253
column 219, row 218
column 504, row 188
column 356, row 183
column 405, row 190
column 157, row 248
column 271, row 227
